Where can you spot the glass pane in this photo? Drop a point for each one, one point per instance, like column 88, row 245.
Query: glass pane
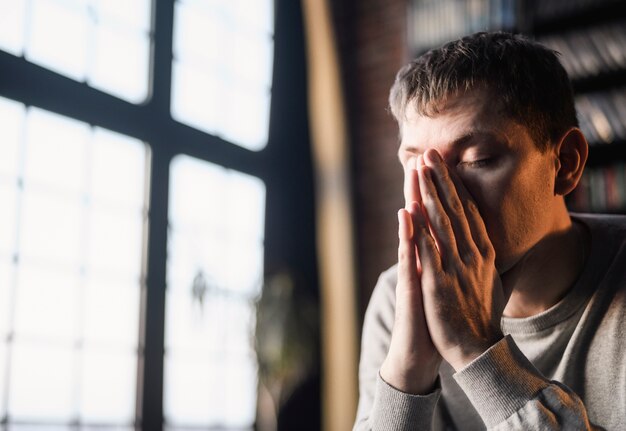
column 77, row 282
column 205, row 391
column 192, row 396
column 103, row 42
column 105, row 298
column 118, row 169
column 121, row 63
column 12, row 15
column 51, row 229
column 55, row 151
column 46, row 304
column 8, row 226
column 6, row 288
column 41, row 390
column 215, row 269
column 115, row 244
column 246, row 207
column 221, row 76
column 132, row 14
column 186, row 209
column 59, row 37
column 256, row 15
column 250, row 104
column 249, row 58
column 108, row 386
column 245, row 267
column 207, row 26
column 3, row 382
column 196, row 97
column 12, row 120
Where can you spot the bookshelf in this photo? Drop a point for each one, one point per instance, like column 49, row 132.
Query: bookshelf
column 591, row 37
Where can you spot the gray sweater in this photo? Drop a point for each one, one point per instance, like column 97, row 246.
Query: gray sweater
column 564, row 368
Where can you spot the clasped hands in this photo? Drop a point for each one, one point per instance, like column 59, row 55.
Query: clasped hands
column 449, row 297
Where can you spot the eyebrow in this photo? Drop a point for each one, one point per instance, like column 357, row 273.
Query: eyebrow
column 460, row 142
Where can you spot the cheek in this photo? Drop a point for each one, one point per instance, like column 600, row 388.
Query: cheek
column 501, row 197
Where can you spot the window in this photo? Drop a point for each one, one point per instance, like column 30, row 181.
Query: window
column 71, row 253
column 215, row 273
column 222, row 68
column 106, row 43
column 100, row 211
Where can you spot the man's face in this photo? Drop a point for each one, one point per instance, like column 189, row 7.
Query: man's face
column 510, row 179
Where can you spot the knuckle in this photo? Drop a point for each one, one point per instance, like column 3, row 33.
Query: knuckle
column 488, row 252
column 442, row 221
column 456, row 206
column 471, row 207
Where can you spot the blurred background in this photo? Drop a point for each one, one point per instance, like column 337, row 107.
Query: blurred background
column 197, row 196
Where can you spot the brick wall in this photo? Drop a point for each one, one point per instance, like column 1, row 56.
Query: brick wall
column 371, row 38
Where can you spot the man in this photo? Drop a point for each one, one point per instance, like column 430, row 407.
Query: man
column 504, row 311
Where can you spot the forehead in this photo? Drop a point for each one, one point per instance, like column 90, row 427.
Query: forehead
column 459, row 118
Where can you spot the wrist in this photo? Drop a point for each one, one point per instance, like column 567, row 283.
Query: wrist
column 410, row 378
column 464, row 355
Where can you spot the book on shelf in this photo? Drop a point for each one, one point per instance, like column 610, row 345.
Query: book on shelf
column 602, row 116
column 591, row 51
column 601, row 189
column 434, row 22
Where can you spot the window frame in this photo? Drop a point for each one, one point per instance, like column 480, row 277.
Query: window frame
column 284, row 165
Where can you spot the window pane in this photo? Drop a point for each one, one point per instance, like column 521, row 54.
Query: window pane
column 215, row 270
column 120, row 63
column 128, row 156
column 41, row 390
column 12, row 14
column 51, row 229
column 55, row 151
column 12, row 114
column 105, row 298
column 59, row 37
column 70, row 290
column 222, row 68
column 3, row 367
column 131, row 14
column 46, row 304
column 6, row 289
column 105, row 43
column 196, row 95
column 108, row 386
column 115, row 244
column 8, row 203
column 203, row 391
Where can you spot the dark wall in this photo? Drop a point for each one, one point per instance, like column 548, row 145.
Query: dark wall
column 372, row 44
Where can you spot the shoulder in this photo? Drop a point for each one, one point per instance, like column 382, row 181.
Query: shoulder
column 607, row 226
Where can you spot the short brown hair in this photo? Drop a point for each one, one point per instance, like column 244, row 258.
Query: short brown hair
column 527, row 78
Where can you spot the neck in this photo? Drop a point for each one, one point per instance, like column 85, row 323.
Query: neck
column 544, row 275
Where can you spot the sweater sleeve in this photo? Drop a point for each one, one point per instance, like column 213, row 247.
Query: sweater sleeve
column 509, row 393
column 382, row 407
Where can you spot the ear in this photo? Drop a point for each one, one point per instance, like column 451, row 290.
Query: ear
column 570, row 158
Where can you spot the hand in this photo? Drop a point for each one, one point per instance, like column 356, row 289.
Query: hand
column 412, row 363
column 462, row 292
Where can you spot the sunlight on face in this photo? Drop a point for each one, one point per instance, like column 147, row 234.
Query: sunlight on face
column 510, row 179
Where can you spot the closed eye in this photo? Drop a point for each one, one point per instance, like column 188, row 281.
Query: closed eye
column 477, row 164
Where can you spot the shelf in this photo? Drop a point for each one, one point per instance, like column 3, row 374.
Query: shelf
column 558, row 16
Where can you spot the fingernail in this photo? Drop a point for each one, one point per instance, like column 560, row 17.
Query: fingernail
column 419, row 161
column 434, row 156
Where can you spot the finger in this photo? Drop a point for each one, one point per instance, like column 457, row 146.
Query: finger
column 453, row 206
column 437, row 218
column 407, row 268
column 430, row 261
column 473, row 218
column 411, row 183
